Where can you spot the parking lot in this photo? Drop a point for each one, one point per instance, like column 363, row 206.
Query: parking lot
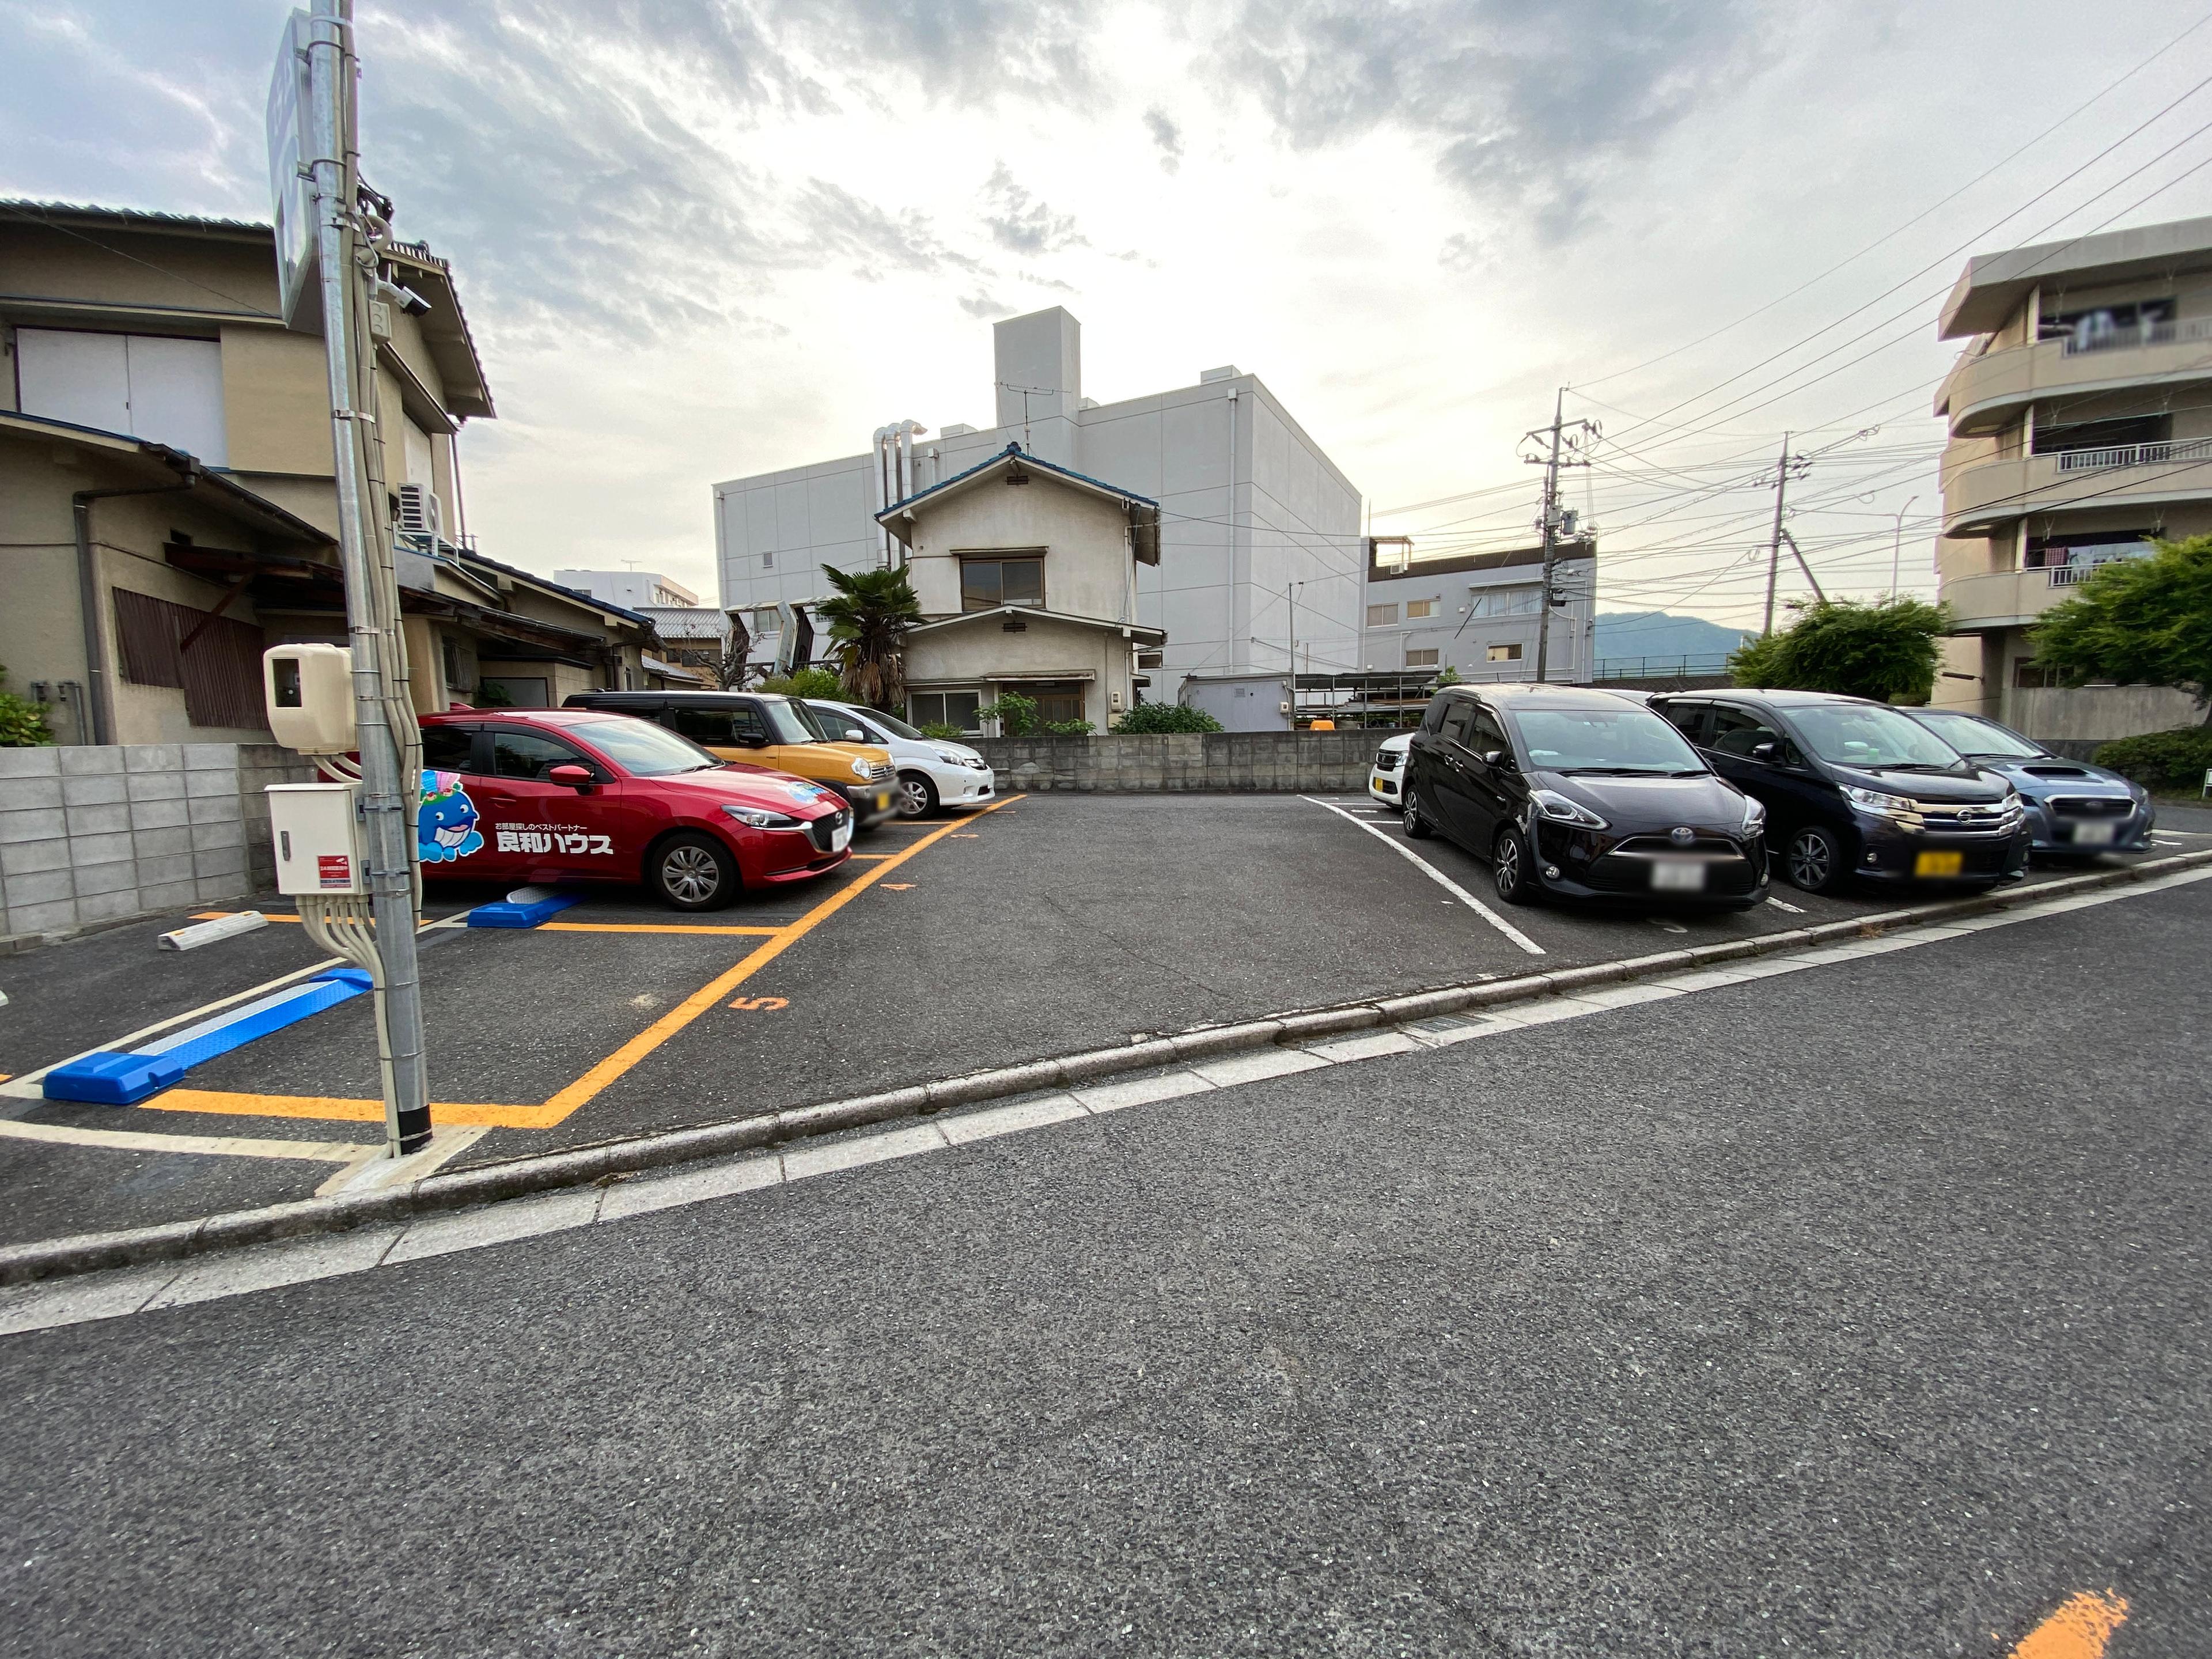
column 1050, row 924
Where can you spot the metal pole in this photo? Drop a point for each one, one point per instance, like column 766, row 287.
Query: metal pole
column 1550, row 532
column 1774, row 542
column 1291, row 595
column 388, row 800
column 1897, row 545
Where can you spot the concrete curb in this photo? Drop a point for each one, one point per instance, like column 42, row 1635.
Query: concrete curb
column 522, row 1177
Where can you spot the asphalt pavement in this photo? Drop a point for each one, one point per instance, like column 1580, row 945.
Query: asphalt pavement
column 1859, row 1309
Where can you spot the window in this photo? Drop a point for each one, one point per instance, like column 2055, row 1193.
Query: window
column 164, row 390
column 1505, row 602
column 1459, row 720
column 1738, row 732
column 708, row 725
column 1418, row 609
column 1382, row 615
column 2099, row 323
column 1688, row 719
column 987, row 584
column 1626, row 740
column 1488, row 734
column 648, row 752
column 515, row 692
column 449, row 748
column 2084, row 549
column 2056, row 438
column 220, row 672
column 1425, row 658
column 526, row 755
column 1056, row 700
column 1504, row 653
column 2029, row 674
column 767, row 560
column 954, row 708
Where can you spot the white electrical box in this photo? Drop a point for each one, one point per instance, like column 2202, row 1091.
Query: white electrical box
column 309, row 690
column 317, row 829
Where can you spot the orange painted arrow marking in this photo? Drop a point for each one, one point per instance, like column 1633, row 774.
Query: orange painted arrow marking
column 761, row 1005
column 2079, row 1630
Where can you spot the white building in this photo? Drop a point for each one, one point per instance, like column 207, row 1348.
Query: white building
column 1477, row 614
column 637, row 590
column 1248, row 505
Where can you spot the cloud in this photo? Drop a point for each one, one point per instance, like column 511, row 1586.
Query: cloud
column 986, row 308
column 1019, row 222
column 1528, row 110
column 840, row 225
column 1167, row 136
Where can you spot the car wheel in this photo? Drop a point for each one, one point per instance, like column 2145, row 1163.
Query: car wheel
column 1509, row 868
column 1815, row 862
column 1417, row 822
column 692, row 872
column 917, row 795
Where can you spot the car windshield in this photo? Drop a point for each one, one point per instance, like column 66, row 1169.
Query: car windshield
column 893, row 724
column 1873, row 737
column 644, row 749
column 1970, row 734
column 1625, row 740
column 793, row 722
column 835, row 721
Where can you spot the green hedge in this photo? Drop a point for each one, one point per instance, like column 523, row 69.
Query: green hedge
column 2175, row 762
column 1166, row 717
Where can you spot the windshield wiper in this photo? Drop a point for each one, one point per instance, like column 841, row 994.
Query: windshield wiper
column 1910, row 766
column 1618, row 772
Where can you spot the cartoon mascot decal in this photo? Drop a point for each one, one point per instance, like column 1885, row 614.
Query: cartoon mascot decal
column 446, row 824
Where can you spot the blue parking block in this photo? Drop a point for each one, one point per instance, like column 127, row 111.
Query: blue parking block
column 120, row 1078
column 505, row 913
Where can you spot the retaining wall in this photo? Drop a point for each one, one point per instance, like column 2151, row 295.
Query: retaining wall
column 1220, row 762
column 96, row 834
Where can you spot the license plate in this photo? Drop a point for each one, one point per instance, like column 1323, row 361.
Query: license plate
column 1939, row 864
column 840, row 837
column 2092, row 834
column 1678, row 876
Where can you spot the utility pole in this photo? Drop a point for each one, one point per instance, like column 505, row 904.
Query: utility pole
column 1290, row 595
column 1782, row 468
column 1549, row 518
column 390, row 742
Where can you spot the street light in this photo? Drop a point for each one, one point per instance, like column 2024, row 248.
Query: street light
column 1897, row 543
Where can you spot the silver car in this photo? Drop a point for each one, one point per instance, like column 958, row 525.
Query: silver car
column 2074, row 809
column 931, row 773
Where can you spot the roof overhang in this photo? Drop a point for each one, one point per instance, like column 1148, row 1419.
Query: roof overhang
column 1993, row 285
column 1000, row 614
column 445, row 329
column 1012, row 462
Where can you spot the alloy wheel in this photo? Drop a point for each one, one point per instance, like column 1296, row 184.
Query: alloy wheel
column 1811, row 860
column 1505, row 865
column 691, row 874
column 914, row 798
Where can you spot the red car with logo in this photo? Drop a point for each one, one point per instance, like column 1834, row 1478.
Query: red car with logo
column 567, row 794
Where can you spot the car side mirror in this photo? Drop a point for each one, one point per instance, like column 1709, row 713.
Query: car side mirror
column 1763, row 751
column 854, row 734
column 1493, row 758
column 570, row 776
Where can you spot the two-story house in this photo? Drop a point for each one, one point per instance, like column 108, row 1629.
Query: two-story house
column 1027, row 574
column 2078, row 425
column 167, row 503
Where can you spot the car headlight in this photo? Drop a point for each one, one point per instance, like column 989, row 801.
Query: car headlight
column 860, row 767
column 949, row 759
column 1874, row 800
column 759, row 817
column 1754, row 815
column 1556, row 806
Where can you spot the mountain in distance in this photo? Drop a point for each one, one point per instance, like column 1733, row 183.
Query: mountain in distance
column 1656, row 634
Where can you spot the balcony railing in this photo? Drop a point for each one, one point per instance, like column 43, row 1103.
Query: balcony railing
column 2092, row 461
column 2138, row 335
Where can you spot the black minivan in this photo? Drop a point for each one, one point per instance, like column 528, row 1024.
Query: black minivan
column 1854, row 787
column 1582, row 794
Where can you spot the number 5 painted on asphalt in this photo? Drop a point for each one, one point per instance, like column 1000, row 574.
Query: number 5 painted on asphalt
column 764, row 1005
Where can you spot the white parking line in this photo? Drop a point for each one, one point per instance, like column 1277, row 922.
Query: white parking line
column 1440, row 879
column 1794, row 910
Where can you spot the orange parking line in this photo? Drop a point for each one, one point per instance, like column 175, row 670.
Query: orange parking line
column 593, row 1082
column 645, row 927
column 2079, row 1630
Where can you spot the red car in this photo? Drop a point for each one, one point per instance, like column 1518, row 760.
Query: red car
column 570, row 794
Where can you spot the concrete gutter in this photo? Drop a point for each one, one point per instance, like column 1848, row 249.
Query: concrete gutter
column 522, row 1177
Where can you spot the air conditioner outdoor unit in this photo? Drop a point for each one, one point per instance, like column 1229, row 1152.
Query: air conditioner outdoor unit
column 419, row 514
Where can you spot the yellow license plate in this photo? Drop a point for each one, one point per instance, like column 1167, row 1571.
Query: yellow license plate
column 1939, row 864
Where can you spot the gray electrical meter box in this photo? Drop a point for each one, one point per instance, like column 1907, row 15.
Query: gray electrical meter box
column 317, row 830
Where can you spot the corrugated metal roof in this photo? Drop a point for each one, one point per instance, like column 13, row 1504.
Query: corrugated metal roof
column 28, row 208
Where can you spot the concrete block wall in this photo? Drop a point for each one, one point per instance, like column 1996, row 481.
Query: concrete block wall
column 1221, row 763
column 90, row 834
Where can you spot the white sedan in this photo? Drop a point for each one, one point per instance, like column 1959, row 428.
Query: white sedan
column 931, row 773
column 1386, row 778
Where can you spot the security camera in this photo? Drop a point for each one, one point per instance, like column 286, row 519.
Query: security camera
column 410, row 301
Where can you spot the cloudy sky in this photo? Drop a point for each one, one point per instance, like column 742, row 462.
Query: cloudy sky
column 700, row 239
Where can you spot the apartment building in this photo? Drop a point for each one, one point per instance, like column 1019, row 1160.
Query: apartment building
column 1249, row 506
column 637, row 589
column 168, row 504
column 2080, row 423
column 1477, row 613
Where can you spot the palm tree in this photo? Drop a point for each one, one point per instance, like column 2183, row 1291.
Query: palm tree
column 868, row 622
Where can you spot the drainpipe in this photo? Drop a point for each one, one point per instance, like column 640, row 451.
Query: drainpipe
column 88, row 588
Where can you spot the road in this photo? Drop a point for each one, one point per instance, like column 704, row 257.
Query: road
column 1860, row 1309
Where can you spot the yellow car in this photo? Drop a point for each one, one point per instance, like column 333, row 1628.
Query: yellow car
column 762, row 728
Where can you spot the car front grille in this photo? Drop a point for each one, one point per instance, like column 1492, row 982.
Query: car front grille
column 822, row 830
column 880, row 774
column 1704, row 843
column 1957, row 818
column 1729, row 876
column 2093, row 806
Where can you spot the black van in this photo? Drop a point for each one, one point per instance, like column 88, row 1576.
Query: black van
column 1854, row 787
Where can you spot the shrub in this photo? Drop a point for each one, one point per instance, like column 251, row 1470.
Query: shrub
column 1887, row 650
column 1068, row 728
column 1166, row 717
column 2175, row 762
column 22, row 722
column 807, row 682
column 1017, row 715
column 941, row 732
